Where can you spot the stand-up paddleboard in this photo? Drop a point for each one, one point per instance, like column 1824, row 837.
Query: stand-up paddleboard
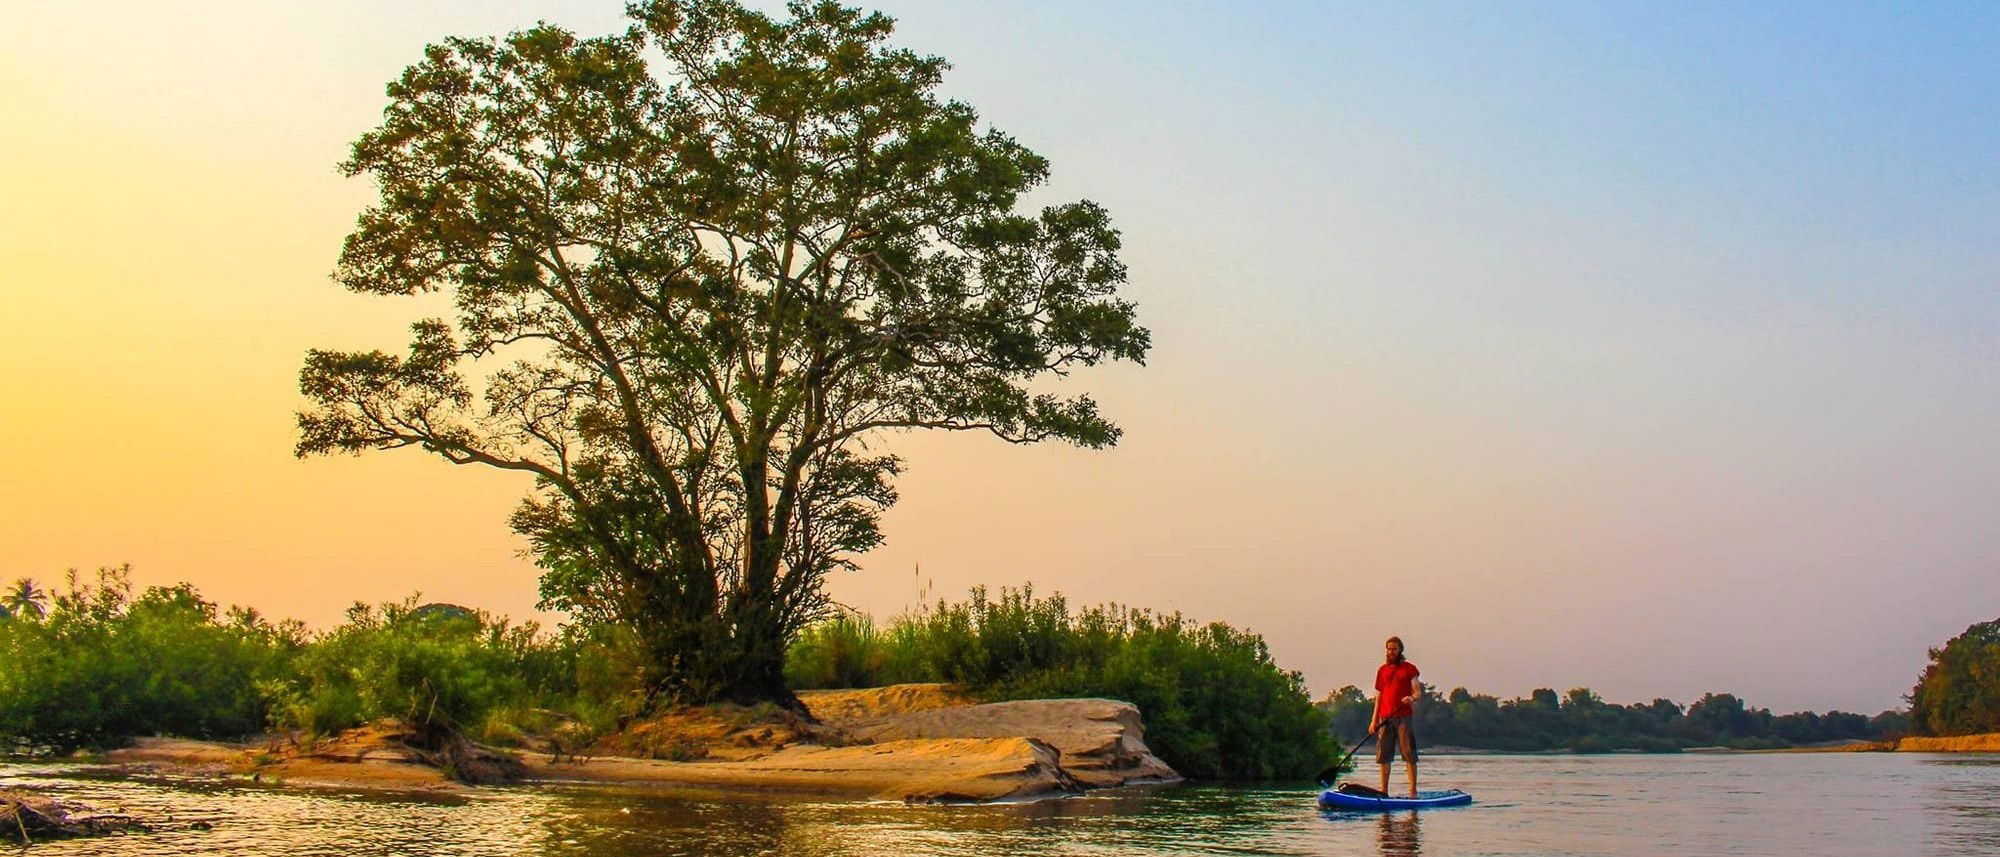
column 1332, row 799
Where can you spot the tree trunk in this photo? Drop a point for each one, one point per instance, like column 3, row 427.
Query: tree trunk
column 758, row 674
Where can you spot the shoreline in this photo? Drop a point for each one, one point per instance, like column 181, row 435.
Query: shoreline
column 913, row 743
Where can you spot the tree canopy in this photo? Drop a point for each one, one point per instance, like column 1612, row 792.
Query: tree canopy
column 24, row 598
column 701, row 265
column 1959, row 690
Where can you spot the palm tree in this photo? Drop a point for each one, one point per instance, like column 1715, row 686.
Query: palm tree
column 25, row 599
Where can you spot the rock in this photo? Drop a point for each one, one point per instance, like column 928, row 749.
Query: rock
column 920, row 743
column 1101, row 741
column 924, row 770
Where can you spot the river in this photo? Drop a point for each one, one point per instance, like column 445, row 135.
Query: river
column 1825, row 805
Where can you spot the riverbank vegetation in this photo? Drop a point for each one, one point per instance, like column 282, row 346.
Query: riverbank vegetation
column 1581, row 721
column 106, row 663
column 97, row 663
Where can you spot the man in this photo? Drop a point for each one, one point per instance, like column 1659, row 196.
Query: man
column 1396, row 692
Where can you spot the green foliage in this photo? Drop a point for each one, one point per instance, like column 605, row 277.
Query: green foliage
column 844, row 651
column 25, row 599
column 100, row 665
column 1215, row 706
column 443, row 670
column 712, row 256
column 1959, row 690
column 1582, row 722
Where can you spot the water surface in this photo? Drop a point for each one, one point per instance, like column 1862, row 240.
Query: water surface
column 1752, row 804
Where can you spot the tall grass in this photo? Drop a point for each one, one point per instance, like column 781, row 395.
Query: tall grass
column 1214, row 703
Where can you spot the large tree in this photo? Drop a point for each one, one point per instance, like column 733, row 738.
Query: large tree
column 698, row 267
column 1958, row 692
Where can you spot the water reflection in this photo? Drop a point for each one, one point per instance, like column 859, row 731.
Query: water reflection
column 652, row 825
column 1398, row 835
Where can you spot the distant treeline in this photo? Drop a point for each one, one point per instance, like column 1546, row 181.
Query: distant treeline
column 1582, row 722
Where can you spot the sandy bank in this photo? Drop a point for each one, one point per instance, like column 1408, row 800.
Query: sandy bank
column 958, row 769
column 894, row 699
column 1986, row 743
column 907, row 742
column 372, row 757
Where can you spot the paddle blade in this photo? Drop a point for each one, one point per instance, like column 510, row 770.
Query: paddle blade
column 1327, row 777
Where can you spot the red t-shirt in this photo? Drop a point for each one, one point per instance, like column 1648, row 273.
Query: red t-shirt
column 1394, row 681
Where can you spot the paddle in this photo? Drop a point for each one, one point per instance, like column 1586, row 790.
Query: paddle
column 1327, row 776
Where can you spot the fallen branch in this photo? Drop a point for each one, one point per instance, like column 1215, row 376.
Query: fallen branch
column 35, row 817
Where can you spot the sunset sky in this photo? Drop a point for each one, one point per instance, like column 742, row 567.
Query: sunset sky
column 1653, row 350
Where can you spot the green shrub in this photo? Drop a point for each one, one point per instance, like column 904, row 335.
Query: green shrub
column 443, row 670
column 102, row 665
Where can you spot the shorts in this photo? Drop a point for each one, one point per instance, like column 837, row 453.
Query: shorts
column 1396, row 733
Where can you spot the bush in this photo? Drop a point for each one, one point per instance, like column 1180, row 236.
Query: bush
column 443, row 670
column 1214, row 704
column 102, row 666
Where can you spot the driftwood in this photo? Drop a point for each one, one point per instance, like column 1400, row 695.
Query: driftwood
column 470, row 763
column 32, row 818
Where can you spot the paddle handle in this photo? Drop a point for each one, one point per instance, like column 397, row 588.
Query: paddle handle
column 1357, row 745
column 1327, row 776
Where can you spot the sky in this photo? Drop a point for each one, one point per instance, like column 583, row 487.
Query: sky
column 1654, row 349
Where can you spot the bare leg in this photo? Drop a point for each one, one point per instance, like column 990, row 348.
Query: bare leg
column 1407, row 744
column 1385, row 777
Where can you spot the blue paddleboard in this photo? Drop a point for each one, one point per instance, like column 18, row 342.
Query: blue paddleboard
column 1331, row 799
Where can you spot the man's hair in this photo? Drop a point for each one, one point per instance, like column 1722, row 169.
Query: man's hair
column 1401, row 650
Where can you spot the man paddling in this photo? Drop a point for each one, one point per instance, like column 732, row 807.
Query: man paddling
column 1396, row 692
